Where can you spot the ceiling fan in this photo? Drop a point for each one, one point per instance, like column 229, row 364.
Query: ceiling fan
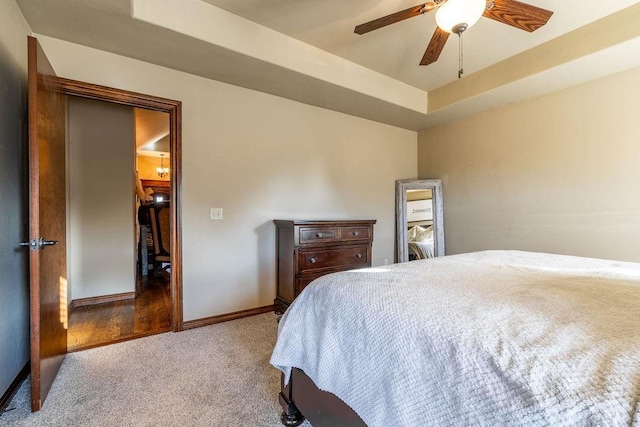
column 455, row 16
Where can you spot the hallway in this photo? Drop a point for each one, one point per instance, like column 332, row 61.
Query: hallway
column 108, row 323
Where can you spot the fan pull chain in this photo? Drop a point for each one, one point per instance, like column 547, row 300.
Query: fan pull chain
column 460, row 58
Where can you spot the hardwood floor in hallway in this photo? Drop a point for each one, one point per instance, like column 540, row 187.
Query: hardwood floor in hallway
column 101, row 324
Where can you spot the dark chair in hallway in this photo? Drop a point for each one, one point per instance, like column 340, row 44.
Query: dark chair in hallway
column 160, row 219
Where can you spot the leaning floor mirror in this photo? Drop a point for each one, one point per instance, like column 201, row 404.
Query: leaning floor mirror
column 419, row 219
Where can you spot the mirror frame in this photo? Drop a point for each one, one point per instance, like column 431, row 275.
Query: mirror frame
column 402, row 185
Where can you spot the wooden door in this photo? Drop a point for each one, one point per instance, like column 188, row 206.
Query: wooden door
column 47, row 224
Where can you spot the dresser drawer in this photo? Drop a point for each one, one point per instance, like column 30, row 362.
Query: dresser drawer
column 334, row 258
column 318, row 234
column 355, row 233
column 303, row 281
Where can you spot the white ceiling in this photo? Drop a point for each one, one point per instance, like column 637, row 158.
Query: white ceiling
column 151, row 127
column 306, row 50
column 397, row 49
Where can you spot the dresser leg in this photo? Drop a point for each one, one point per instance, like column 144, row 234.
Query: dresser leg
column 279, row 306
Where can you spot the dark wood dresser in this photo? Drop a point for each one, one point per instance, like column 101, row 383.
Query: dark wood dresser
column 306, row 250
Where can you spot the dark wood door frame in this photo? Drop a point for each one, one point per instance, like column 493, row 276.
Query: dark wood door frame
column 174, row 109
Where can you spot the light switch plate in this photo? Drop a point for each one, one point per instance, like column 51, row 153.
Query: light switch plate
column 215, row 213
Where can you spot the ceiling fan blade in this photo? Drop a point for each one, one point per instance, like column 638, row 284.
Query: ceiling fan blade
column 518, row 15
column 436, row 45
column 394, row 17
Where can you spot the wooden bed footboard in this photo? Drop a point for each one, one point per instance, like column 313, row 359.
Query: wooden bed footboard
column 301, row 399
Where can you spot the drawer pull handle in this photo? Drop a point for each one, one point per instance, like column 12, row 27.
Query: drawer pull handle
column 312, row 260
column 358, row 255
column 355, row 233
column 318, row 235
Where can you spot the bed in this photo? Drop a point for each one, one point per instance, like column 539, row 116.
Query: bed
column 487, row 338
column 420, row 242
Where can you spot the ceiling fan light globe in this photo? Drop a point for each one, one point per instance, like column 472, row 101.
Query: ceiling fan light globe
column 456, row 12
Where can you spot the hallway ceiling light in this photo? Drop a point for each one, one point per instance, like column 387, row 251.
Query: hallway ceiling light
column 162, row 171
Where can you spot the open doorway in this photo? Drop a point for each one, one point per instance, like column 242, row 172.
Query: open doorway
column 48, row 214
column 153, row 222
column 119, row 222
column 151, row 300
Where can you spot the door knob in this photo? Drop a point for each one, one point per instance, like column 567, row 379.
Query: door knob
column 42, row 243
column 35, row 244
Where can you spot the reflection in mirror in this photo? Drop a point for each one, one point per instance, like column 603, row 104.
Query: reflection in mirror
column 419, row 219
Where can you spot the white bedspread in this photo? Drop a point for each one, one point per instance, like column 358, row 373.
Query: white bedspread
column 483, row 339
column 422, row 250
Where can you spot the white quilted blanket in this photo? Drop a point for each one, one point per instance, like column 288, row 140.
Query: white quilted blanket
column 484, row 339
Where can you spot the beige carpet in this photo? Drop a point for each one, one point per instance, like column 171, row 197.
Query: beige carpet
column 217, row 375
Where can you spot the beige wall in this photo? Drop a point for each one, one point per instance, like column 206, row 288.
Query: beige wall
column 556, row 174
column 258, row 157
column 101, row 198
column 418, row 195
